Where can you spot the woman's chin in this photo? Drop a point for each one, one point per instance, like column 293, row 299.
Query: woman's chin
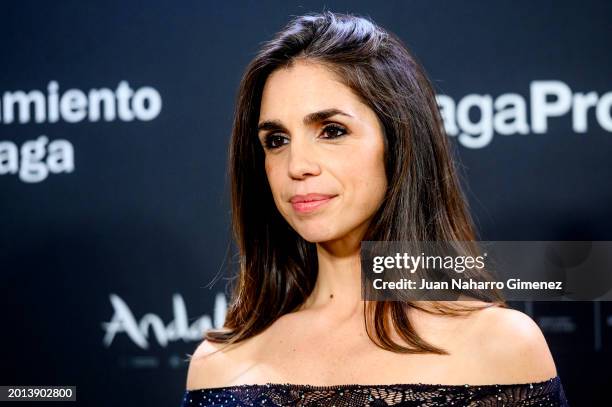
column 315, row 237
column 315, row 234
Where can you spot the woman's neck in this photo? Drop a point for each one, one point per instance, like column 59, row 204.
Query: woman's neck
column 337, row 291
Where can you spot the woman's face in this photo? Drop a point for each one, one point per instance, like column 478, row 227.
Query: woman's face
column 323, row 153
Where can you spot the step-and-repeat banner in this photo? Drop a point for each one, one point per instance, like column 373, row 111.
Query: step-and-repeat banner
column 114, row 212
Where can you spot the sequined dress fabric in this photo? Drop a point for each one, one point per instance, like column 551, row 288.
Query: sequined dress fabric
column 546, row 393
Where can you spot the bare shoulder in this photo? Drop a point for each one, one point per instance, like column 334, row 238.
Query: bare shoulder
column 208, row 366
column 512, row 347
column 219, row 364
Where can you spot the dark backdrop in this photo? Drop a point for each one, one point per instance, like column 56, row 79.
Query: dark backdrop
column 112, row 229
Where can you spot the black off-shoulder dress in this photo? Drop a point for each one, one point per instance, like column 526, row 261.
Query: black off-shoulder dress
column 546, row 393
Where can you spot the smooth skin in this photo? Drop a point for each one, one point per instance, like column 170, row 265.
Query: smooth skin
column 324, row 342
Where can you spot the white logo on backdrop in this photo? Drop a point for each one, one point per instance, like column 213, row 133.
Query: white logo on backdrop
column 140, row 332
column 34, row 160
column 507, row 113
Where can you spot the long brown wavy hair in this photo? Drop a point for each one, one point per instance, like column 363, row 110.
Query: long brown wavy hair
column 423, row 202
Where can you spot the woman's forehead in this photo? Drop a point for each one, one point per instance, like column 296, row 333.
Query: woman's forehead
column 303, row 88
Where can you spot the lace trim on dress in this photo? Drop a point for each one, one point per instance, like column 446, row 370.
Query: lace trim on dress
column 545, row 393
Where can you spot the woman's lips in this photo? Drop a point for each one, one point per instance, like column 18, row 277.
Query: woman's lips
column 309, row 204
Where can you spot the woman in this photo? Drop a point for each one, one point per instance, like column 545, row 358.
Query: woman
column 337, row 139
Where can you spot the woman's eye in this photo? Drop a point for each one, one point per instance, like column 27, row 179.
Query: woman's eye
column 334, row 131
column 273, row 141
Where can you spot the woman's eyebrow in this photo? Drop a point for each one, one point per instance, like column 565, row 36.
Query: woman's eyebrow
column 309, row 119
column 322, row 115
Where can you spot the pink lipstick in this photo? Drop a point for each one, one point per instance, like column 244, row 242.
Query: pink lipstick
column 310, row 202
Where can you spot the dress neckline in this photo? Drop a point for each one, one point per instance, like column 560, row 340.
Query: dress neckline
column 310, row 387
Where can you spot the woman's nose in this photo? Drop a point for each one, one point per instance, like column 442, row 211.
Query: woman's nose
column 302, row 159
